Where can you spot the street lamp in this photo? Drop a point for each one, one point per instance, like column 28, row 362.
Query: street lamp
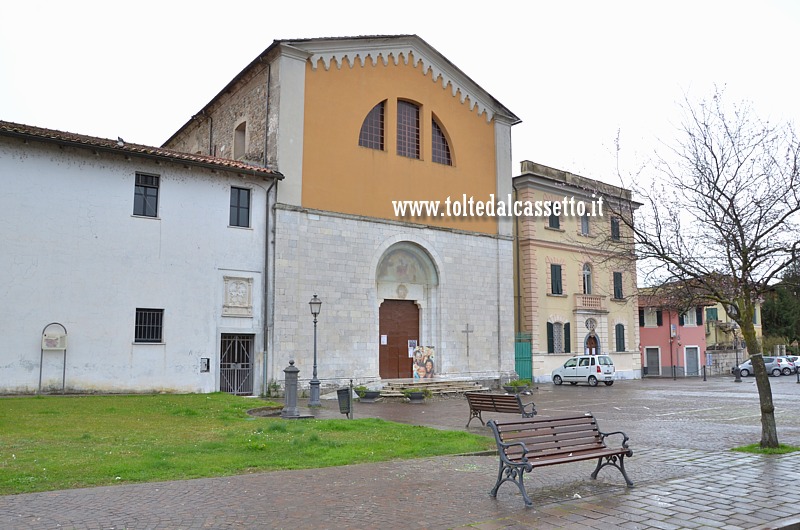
column 736, row 371
column 315, row 305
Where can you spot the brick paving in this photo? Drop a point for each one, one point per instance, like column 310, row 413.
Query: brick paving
column 684, row 476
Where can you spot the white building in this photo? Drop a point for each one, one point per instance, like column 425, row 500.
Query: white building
column 134, row 251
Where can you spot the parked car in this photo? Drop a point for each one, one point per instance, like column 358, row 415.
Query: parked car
column 775, row 366
column 585, row 369
column 794, row 359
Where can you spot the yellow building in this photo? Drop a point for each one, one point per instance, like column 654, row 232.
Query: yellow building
column 354, row 125
column 722, row 333
column 575, row 271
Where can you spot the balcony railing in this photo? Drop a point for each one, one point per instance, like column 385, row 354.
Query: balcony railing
column 590, row 302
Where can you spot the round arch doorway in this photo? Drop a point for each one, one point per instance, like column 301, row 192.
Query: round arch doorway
column 407, row 286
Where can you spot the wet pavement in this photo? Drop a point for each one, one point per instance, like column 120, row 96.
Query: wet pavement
column 680, row 433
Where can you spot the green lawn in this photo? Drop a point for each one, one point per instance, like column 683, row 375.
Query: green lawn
column 49, row 443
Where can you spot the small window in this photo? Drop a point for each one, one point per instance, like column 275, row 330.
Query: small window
column 240, row 207
column 571, row 363
column 615, row 234
column 371, row 134
column 584, row 361
column 440, row 149
column 149, row 325
column 587, row 278
column 689, row 318
column 620, row 332
column 618, row 294
column 554, row 221
column 711, row 314
column 239, row 141
column 555, row 279
column 585, row 225
column 145, row 195
column 407, row 129
column 755, row 316
column 650, row 318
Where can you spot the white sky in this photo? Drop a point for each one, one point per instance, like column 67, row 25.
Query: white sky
column 574, row 72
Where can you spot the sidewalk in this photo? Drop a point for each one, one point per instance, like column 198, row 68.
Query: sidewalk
column 684, row 482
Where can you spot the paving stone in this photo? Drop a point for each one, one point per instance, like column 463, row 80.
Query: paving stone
column 685, row 476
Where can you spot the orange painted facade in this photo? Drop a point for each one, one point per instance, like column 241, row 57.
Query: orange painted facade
column 341, row 176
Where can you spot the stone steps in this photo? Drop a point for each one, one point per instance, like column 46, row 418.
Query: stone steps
column 395, row 387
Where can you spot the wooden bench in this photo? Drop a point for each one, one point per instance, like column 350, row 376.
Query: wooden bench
column 506, row 403
column 537, row 442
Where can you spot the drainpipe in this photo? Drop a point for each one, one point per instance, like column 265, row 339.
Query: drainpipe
column 267, row 239
column 266, row 114
column 265, row 305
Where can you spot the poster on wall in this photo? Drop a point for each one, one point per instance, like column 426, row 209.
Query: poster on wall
column 424, row 366
column 412, row 347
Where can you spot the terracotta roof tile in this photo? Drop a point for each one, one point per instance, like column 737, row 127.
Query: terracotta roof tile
column 119, row 146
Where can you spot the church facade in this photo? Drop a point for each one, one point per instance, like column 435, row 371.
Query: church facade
column 356, row 125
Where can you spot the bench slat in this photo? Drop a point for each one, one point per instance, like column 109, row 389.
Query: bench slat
column 552, row 441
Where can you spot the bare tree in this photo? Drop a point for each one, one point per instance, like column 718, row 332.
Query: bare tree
column 721, row 216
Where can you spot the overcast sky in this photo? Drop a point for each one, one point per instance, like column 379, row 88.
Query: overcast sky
column 574, row 72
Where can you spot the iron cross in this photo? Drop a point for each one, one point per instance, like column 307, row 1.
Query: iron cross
column 467, row 331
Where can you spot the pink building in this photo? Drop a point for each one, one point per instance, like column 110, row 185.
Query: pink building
column 672, row 344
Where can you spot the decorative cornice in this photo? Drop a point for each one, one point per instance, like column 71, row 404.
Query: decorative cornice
column 406, row 50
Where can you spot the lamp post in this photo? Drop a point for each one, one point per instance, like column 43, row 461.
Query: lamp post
column 736, row 371
column 315, row 305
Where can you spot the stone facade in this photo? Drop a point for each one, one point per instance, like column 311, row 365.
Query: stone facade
column 336, row 256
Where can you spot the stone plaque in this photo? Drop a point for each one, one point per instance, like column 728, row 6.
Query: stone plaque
column 238, row 297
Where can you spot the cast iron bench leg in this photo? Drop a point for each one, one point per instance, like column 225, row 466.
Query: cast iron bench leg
column 475, row 414
column 514, row 474
column 616, row 461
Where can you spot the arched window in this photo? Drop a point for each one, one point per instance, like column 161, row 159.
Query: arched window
column 558, row 337
column 587, row 278
column 407, row 129
column 440, row 149
column 239, row 141
column 371, row 134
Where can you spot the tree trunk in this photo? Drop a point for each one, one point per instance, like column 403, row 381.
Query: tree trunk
column 769, row 430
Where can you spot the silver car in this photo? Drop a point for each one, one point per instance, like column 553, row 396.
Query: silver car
column 775, row 366
column 585, row 369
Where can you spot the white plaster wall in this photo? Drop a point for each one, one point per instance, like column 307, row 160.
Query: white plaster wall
column 336, row 256
column 73, row 253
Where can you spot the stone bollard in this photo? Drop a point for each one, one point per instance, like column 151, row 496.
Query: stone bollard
column 290, row 409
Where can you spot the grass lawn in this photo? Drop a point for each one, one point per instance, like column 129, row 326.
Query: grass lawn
column 49, row 443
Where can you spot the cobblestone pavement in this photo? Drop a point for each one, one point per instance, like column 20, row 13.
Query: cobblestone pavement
column 680, row 432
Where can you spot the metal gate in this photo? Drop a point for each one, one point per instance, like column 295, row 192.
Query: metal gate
column 523, row 362
column 236, row 364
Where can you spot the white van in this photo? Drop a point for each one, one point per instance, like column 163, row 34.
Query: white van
column 585, row 369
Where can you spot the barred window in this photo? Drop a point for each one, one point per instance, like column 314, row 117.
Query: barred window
column 440, row 149
column 371, row 134
column 145, row 195
column 407, row 129
column 240, row 207
column 149, row 325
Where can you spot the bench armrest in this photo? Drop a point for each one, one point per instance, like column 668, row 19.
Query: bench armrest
column 625, row 438
column 504, row 446
column 529, row 410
